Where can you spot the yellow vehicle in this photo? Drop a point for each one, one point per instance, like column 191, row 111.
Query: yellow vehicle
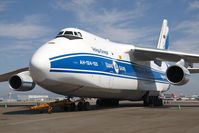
column 66, row 105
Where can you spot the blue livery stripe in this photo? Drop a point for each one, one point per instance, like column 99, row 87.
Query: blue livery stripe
column 105, row 57
column 97, row 64
column 109, row 74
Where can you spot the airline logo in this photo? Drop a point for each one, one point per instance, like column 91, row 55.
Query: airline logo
column 99, row 51
column 116, row 67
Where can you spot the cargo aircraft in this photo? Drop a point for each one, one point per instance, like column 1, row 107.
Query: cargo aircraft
column 79, row 64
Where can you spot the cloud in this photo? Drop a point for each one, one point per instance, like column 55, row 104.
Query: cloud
column 74, row 5
column 29, row 28
column 189, row 33
column 11, row 49
column 87, row 12
column 194, row 5
column 4, row 5
column 112, row 23
column 16, row 47
column 190, row 27
column 22, row 38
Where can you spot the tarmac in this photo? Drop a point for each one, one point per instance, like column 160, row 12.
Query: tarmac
column 129, row 117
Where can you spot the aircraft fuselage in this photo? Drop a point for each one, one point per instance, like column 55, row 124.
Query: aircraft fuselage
column 95, row 67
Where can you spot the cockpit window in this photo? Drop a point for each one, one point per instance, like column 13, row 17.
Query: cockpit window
column 79, row 34
column 70, row 35
column 60, row 33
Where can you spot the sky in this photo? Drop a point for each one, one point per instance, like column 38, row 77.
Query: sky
column 27, row 24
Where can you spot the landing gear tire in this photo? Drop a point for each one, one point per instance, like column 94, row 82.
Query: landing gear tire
column 72, row 107
column 145, row 103
column 153, row 101
column 98, row 102
column 107, row 102
column 80, row 106
column 66, row 108
column 83, row 106
column 86, row 106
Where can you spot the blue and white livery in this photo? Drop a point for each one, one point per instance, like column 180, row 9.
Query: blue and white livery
column 77, row 63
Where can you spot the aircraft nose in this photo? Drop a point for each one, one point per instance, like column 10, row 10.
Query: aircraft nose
column 39, row 65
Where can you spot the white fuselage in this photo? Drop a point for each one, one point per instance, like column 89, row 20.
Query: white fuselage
column 95, row 67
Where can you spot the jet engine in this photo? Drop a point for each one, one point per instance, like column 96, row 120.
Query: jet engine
column 177, row 75
column 22, row 82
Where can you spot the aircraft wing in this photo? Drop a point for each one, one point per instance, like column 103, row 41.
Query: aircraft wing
column 147, row 54
column 193, row 70
column 6, row 76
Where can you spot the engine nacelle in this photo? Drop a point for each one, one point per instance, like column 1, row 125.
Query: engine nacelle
column 22, row 82
column 177, row 75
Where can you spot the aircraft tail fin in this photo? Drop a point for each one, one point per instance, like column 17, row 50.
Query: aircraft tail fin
column 163, row 42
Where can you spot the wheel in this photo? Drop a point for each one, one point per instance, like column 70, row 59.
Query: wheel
column 107, row 102
column 72, row 107
column 80, row 106
column 153, row 101
column 66, row 108
column 160, row 102
column 146, row 103
column 146, row 99
column 86, row 106
column 115, row 103
column 98, row 102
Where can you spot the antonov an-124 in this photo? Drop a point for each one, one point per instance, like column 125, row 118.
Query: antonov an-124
column 79, row 64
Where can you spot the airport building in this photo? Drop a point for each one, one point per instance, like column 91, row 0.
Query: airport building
column 32, row 97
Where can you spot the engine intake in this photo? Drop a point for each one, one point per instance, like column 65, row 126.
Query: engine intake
column 22, row 82
column 177, row 75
